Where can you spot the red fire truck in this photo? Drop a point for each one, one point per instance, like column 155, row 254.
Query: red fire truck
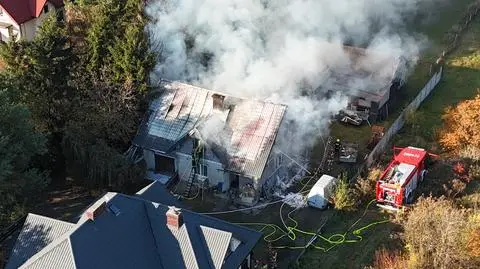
column 396, row 185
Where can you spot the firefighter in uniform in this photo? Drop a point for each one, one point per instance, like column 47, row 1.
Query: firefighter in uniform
column 337, row 146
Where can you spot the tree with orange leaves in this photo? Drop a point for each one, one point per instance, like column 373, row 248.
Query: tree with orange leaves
column 462, row 125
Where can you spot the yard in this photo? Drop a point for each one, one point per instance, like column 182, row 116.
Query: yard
column 435, row 28
column 460, row 81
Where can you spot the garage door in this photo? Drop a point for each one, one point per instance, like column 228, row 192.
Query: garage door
column 164, row 164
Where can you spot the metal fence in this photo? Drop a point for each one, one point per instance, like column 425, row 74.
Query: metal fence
column 400, row 121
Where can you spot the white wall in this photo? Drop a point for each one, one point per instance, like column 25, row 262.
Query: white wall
column 6, row 19
column 215, row 172
column 27, row 29
column 30, row 28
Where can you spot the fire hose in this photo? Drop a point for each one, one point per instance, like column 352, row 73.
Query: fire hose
column 332, row 241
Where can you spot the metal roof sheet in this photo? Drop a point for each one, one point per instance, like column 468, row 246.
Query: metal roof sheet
column 139, row 238
column 218, row 243
column 157, row 192
column 247, row 139
column 37, row 232
column 58, row 257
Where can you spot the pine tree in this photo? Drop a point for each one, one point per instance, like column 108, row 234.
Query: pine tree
column 19, row 145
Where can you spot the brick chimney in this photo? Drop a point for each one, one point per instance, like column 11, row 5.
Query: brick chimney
column 95, row 211
column 174, row 217
column 218, row 101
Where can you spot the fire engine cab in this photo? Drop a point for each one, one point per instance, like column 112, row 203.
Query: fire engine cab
column 396, row 185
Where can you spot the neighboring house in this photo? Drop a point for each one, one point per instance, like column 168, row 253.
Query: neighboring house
column 20, row 19
column 121, row 231
column 212, row 139
column 373, row 77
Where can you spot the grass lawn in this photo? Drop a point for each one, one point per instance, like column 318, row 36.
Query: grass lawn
column 461, row 81
column 434, row 28
column 358, row 254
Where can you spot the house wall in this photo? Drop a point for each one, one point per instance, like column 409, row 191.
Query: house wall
column 149, row 157
column 26, row 30
column 215, row 172
column 6, row 19
column 30, row 28
column 276, row 170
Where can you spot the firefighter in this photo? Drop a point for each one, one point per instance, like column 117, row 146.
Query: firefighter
column 337, row 145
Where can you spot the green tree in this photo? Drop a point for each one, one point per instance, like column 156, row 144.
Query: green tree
column 19, row 145
column 110, row 78
column 41, row 72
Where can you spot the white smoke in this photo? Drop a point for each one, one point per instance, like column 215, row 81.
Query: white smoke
column 276, row 50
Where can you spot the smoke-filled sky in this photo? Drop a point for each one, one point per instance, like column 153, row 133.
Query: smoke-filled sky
column 272, row 49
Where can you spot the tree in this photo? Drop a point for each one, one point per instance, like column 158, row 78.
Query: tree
column 41, row 72
column 110, row 78
column 461, row 125
column 19, row 145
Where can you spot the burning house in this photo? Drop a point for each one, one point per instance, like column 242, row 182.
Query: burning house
column 206, row 137
column 371, row 78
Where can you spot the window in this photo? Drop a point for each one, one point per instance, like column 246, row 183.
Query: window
column 45, row 9
column 1, row 12
column 201, row 169
column 10, row 31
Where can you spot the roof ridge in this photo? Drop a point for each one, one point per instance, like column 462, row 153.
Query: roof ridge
column 166, row 81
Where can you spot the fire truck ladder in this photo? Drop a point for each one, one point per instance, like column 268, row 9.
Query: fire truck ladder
column 190, row 181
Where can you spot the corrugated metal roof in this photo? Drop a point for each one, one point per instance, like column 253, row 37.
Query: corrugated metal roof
column 37, row 232
column 185, row 246
column 251, row 126
column 58, row 257
column 139, row 238
column 218, row 243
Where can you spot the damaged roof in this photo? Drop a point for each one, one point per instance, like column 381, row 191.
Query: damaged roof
column 138, row 237
column 368, row 73
column 243, row 141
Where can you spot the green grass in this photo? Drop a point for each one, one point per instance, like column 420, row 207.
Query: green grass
column 435, row 28
column 353, row 255
column 460, row 81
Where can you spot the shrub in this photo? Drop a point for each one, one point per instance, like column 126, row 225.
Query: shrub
column 344, row 197
column 473, row 244
column 461, row 124
column 365, row 187
column 470, row 153
column 435, row 235
column 385, row 259
column 474, row 171
column 455, row 187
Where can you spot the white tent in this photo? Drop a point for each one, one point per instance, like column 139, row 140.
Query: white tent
column 321, row 191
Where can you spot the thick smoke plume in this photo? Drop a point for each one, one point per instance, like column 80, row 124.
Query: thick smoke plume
column 281, row 50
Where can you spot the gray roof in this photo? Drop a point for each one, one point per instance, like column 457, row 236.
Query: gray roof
column 158, row 193
column 37, row 232
column 241, row 135
column 139, row 238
